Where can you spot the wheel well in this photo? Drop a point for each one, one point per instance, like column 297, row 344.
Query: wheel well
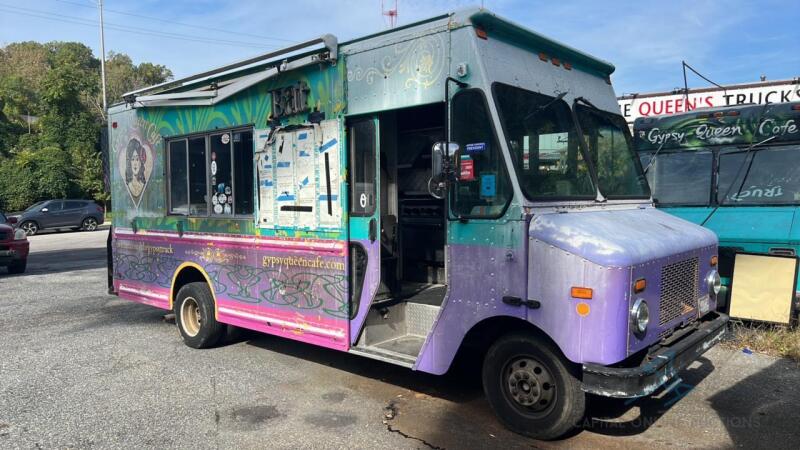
column 185, row 276
column 483, row 334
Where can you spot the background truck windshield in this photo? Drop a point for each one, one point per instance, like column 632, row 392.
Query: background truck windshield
column 769, row 176
column 682, row 178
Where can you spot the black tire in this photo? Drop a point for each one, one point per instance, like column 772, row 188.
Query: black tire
column 547, row 401
column 18, row 267
column 30, row 227
column 89, row 224
column 204, row 331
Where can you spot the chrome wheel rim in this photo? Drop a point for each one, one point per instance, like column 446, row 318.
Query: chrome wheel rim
column 529, row 386
column 90, row 224
column 191, row 319
column 30, row 228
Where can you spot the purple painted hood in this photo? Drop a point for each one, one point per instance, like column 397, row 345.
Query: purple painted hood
column 620, row 238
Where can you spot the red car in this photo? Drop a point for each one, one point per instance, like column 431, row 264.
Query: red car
column 14, row 246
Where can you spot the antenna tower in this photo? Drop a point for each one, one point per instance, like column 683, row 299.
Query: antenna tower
column 391, row 13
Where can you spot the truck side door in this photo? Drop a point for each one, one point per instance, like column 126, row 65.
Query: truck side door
column 364, row 222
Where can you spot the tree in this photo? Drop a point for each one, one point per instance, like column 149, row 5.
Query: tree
column 51, row 117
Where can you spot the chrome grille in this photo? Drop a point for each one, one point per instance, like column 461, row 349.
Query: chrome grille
column 678, row 290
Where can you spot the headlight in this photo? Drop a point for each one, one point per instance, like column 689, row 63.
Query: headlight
column 19, row 235
column 714, row 283
column 640, row 316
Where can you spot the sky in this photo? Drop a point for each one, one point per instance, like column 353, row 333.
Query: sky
column 729, row 42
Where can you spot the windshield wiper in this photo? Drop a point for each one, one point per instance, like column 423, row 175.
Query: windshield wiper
column 733, row 181
column 541, row 108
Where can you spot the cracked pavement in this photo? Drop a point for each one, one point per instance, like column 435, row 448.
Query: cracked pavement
column 80, row 368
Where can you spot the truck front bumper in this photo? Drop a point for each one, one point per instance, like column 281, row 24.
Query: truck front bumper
column 659, row 366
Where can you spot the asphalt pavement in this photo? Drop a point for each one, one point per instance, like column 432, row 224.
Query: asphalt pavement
column 82, row 369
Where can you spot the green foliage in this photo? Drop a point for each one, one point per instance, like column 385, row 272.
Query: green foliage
column 51, row 117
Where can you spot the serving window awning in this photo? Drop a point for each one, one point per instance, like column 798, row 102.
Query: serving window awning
column 174, row 93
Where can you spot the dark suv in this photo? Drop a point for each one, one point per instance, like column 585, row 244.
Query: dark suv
column 75, row 214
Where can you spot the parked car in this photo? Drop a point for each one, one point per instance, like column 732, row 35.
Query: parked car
column 49, row 214
column 14, row 245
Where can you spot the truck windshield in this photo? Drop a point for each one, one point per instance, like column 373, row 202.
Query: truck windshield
column 680, row 178
column 769, row 176
column 619, row 173
column 547, row 151
column 544, row 144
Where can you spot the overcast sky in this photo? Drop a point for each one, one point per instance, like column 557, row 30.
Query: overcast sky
column 728, row 41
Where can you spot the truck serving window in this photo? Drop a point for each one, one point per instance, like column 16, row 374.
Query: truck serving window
column 768, row 176
column 211, row 174
column 543, row 141
column 682, row 178
column 618, row 171
column 483, row 189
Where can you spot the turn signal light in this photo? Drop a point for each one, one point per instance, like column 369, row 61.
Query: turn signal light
column 714, row 260
column 639, row 285
column 481, row 33
column 581, row 292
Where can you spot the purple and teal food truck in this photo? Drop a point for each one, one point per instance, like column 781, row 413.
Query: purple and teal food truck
column 457, row 185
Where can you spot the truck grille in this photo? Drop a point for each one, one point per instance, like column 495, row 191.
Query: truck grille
column 3, row 235
column 678, row 290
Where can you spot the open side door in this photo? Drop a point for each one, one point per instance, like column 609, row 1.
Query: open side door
column 364, row 218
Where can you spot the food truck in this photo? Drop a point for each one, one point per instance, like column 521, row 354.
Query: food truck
column 732, row 170
column 458, row 185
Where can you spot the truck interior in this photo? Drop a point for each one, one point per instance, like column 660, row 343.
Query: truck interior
column 412, row 237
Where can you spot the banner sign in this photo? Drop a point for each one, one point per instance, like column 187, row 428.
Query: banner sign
column 648, row 105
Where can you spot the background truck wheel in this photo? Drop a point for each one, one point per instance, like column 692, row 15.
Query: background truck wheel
column 18, row 266
column 30, row 227
column 194, row 315
column 89, row 224
column 532, row 388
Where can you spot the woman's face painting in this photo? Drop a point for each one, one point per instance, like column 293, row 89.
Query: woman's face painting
column 136, row 162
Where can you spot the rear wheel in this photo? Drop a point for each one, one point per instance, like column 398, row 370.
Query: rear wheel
column 89, row 224
column 532, row 388
column 30, row 228
column 194, row 315
column 18, row 266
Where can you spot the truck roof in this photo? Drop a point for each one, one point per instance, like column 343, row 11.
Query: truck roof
column 478, row 17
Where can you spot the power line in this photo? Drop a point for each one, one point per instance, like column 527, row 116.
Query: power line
column 142, row 31
column 157, row 19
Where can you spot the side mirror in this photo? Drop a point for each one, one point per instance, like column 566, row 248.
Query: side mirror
column 441, row 168
column 44, row 210
column 440, row 157
column 11, row 220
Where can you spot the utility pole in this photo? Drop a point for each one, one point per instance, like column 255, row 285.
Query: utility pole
column 102, row 58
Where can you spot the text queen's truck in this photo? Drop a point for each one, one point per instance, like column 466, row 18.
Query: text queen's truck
column 293, row 194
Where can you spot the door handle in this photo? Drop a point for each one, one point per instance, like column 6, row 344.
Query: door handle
column 373, row 230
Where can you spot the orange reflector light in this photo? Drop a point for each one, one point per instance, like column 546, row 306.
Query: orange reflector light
column 796, row 107
column 732, row 113
column 481, row 33
column 543, row 57
column 639, row 285
column 555, row 61
column 567, row 65
column 714, row 260
column 582, row 309
column 581, row 292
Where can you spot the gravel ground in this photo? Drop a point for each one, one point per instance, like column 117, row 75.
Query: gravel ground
column 80, row 369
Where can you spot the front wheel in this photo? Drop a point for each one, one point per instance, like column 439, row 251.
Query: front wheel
column 30, row 228
column 89, row 224
column 532, row 388
column 194, row 315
